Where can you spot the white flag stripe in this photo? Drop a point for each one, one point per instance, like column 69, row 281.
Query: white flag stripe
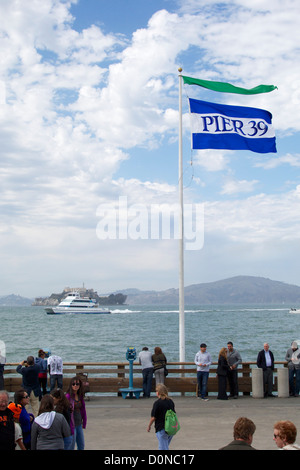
column 222, row 124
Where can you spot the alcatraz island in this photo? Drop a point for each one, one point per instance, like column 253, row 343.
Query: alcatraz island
column 55, row 299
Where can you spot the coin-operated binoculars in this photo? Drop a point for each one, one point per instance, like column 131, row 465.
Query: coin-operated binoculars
column 131, row 356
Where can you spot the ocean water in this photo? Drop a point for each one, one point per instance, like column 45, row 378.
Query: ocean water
column 105, row 338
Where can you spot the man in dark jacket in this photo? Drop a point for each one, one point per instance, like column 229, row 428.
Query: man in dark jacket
column 30, row 372
column 265, row 361
column 243, row 431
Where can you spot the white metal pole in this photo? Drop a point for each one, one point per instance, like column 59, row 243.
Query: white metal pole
column 181, row 234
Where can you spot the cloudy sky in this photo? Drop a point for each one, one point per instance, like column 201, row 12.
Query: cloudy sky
column 89, row 118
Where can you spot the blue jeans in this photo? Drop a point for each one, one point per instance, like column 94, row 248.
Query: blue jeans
column 147, row 381
column 56, row 378
column 163, row 440
column 78, row 438
column 68, row 442
column 202, row 378
column 292, row 373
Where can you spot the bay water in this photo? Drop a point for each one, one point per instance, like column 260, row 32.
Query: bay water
column 105, row 338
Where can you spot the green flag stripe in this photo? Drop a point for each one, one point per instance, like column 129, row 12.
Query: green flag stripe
column 227, row 87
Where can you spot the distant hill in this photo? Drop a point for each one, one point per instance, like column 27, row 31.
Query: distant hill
column 235, row 290
column 13, row 300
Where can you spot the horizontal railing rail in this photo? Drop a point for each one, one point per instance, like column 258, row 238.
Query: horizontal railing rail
column 110, row 377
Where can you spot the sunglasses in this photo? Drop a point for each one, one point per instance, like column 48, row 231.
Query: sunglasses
column 75, row 383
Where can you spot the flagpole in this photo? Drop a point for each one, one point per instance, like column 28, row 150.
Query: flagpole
column 181, row 233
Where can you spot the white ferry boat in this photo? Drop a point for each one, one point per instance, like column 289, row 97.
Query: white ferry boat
column 73, row 303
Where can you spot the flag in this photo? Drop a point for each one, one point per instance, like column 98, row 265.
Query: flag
column 221, row 126
column 227, row 87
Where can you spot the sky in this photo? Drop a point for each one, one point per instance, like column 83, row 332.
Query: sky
column 89, row 120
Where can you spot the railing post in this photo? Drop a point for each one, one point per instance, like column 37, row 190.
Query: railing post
column 121, row 374
column 283, row 382
column 257, row 383
column 246, row 372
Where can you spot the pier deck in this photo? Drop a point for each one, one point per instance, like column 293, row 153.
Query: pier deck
column 204, row 425
column 120, row 424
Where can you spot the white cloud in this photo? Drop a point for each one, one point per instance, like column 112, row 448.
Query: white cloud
column 235, row 187
column 289, row 159
column 212, row 160
column 258, row 219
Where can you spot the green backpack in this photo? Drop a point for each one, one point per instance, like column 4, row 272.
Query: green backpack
column 172, row 425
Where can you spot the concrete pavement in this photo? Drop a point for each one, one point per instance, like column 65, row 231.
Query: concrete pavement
column 115, row 423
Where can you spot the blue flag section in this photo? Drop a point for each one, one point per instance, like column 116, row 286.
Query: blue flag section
column 220, row 126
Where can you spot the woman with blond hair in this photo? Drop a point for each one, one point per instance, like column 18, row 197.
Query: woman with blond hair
column 158, row 413
column 222, row 373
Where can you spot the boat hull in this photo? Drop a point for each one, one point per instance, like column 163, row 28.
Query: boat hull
column 68, row 310
column 295, row 310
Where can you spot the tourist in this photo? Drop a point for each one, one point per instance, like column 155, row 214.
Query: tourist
column 7, row 425
column 222, row 373
column 145, row 359
column 293, row 360
column 17, row 410
column 55, row 366
column 75, row 395
column 1, row 376
column 159, row 361
column 25, row 419
column 285, row 433
column 234, row 359
column 265, row 361
column 203, row 361
column 30, row 372
column 243, row 432
column 49, row 428
column 19, row 436
column 158, row 413
column 2, row 364
column 42, row 362
column 63, row 406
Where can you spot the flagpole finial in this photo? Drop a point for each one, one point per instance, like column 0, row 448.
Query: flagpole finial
column 180, row 70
